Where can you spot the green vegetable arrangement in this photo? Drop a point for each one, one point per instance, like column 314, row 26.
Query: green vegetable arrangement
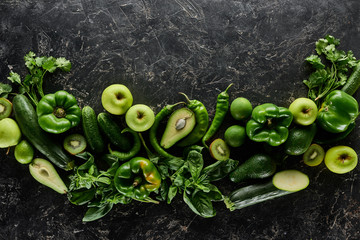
column 121, row 164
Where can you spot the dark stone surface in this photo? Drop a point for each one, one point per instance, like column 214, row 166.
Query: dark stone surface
column 157, row 49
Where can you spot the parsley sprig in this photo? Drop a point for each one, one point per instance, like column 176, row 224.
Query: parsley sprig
column 32, row 84
column 331, row 67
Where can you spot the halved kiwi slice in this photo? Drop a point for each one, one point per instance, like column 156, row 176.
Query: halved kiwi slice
column 5, row 108
column 219, row 150
column 75, row 143
column 314, row 155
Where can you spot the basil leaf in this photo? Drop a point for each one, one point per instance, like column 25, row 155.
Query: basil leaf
column 81, row 196
column 95, row 213
column 5, row 89
column 220, row 169
column 195, row 163
column 171, row 193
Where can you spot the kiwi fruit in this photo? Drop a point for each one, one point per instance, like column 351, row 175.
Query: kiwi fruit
column 314, row 155
column 5, row 108
column 219, row 150
column 75, row 143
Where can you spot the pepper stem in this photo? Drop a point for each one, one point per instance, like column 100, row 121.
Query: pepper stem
column 59, row 112
column 137, row 181
column 228, row 87
column 186, row 97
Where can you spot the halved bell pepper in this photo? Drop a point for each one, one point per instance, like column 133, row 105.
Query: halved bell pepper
column 337, row 112
column 58, row 112
column 269, row 123
column 137, row 178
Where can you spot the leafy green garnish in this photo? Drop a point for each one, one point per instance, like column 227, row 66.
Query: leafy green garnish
column 94, row 187
column 32, row 84
column 5, row 89
column 331, row 72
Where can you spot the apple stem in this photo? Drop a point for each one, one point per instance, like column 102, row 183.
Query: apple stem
column 8, row 151
column 307, row 110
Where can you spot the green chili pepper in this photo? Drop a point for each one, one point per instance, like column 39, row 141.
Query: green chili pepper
column 58, row 112
column 222, row 107
column 137, row 178
column 123, row 156
column 167, row 110
column 269, row 123
column 202, row 122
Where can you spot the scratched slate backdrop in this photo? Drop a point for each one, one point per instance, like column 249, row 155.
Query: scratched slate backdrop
column 157, row 49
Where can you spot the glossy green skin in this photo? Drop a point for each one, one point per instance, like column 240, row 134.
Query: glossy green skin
column 137, row 178
column 27, row 120
column 258, row 166
column 300, row 139
column 269, row 123
column 113, row 132
column 164, row 112
column 123, row 156
column 47, row 107
column 337, row 112
column 91, row 130
column 202, row 123
column 222, row 107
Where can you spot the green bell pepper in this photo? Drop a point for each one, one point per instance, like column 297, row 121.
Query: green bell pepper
column 337, row 112
column 269, row 123
column 137, row 178
column 58, row 112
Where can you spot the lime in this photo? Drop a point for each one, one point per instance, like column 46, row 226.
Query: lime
column 24, row 152
column 235, row 136
column 240, row 108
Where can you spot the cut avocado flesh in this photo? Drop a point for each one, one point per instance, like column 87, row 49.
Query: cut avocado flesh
column 44, row 172
column 181, row 122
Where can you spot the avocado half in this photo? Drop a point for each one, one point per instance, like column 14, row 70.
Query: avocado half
column 180, row 123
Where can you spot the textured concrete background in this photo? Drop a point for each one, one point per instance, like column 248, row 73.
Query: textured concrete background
column 160, row 48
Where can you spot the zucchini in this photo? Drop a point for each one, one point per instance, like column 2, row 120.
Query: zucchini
column 27, row 120
column 283, row 183
column 353, row 83
column 113, row 132
column 91, row 130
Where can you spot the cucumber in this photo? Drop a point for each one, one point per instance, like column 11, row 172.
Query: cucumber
column 353, row 83
column 27, row 120
column 113, row 132
column 283, row 183
column 91, row 130
column 300, row 139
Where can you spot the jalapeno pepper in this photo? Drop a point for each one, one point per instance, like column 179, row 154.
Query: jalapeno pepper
column 123, row 156
column 269, row 123
column 167, row 110
column 137, row 178
column 202, row 122
column 337, row 112
column 222, row 107
column 58, row 112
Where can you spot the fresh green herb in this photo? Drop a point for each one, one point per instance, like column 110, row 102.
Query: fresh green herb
column 32, row 84
column 331, row 68
column 94, row 187
column 194, row 185
column 5, row 89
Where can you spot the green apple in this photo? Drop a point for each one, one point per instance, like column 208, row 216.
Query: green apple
column 140, row 117
column 341, row 159
column 10, row 133
column 116, row 99
column 304, row 111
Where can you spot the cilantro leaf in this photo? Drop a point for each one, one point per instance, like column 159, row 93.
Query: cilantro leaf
column 315, row 61
column 14, row 78
column 5, row 89
column 63, row 64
